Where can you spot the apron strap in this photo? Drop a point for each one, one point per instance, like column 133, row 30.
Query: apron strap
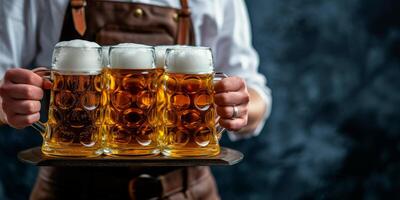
column 78, row 15
column 184, row 23
column 79, row 19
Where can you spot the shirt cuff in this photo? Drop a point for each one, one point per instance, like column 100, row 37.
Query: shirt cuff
column 265, row 94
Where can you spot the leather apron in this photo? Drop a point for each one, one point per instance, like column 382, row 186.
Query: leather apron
column 109, row 23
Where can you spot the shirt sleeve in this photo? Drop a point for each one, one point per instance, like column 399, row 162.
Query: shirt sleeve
column 18, row 45
column 236, row 56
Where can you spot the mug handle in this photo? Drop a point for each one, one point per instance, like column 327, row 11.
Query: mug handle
column 41, row 126
column 217, row 77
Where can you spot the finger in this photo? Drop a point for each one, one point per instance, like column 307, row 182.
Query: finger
column 227, row 111
column 233, row 124
column 47, row 84
column 22, row 91
column 23, row 76
column 21, row 107
column 231, row 98
column 229, row 84
column 22, row 121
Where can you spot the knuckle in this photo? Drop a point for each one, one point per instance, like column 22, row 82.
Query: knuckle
column 30, row 120
column 224, row 83
column 224, row 112
column 238, row 80
column 9, row 74
column 246, row 98
column 220, row 111
column 224, row 98
column 28, row 92
column 34, row 119
column 219, row 99
column 26, row 120
column 31, row 78
column 228, row 124
column 31, row 107
column 243, row 83
column 4, row 90
column 227, row 110
column 234, row 128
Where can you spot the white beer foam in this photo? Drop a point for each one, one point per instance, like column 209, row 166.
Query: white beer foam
column 189, row 60
column 161, row 52
column 132, row 56
column 105, row 51
column 77, row 56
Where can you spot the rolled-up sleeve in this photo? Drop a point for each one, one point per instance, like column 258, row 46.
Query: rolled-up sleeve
column 236, row 56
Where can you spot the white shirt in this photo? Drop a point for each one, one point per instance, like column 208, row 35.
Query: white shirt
column 29, row 29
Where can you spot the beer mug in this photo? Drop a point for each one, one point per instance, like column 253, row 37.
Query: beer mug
column 131, row 111
column 105, row 51
column 160, row 53
column 74, row 126
column 190, row 119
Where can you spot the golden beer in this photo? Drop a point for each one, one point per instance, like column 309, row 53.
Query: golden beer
column 77, row 101
column 131, row 114
column 160, row 53
column 160, row 106
column 75, row 115
column 190, row 114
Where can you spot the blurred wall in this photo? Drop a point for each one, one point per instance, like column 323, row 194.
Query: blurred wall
column 334, row 132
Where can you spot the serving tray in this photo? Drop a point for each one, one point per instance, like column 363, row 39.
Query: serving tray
column 35, row 156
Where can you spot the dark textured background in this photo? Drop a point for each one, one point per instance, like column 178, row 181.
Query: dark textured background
column 334, row 132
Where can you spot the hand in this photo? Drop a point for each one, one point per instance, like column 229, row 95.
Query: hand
column 21, row 92
column 232, row 91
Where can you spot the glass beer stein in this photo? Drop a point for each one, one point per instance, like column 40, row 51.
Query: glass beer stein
column 131, row 111
column 160, row 53
column 190, row 114
column 74, row 126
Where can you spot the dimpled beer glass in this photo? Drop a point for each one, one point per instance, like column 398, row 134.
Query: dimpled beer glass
column 131, row 111
column 189, row 114
column 160, row 53
column 74, row 126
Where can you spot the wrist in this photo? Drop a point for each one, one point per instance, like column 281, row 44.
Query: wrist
column 256, row 112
